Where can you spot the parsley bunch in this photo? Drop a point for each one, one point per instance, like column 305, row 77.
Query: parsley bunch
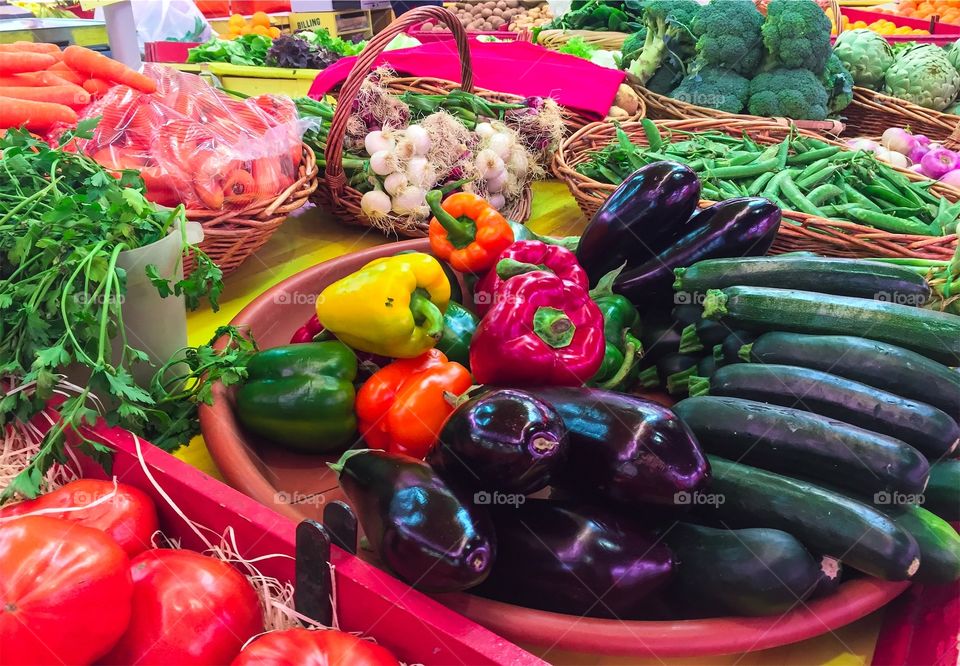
column 64, row 221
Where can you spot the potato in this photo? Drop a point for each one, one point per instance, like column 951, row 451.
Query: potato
column 627, row 99
column 496, row 22
column 618, row 114
column 427, row 27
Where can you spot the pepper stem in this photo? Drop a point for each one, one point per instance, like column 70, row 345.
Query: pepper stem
column 605, row 284
column 554, row 327
column 460, row 232
column 631, row 349
column 426, row 314
column 508, row 268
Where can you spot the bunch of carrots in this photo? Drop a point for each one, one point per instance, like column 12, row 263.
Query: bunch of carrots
column 42, row 87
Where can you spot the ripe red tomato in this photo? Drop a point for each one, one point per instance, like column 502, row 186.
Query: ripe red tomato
column 65, row 592
column 300, row 647
column 129, row 517
column 188, row 609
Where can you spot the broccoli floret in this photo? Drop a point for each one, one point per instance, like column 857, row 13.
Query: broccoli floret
column 839, row 85
column 788, row 93
column 716, row 88
column 797, row 34
column 632, row 46
column 668, row 27
column 728, row 35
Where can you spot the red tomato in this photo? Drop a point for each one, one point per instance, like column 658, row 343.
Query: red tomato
column 187, row 609
column 129, row 517
column 65, row 592
column 300, row 647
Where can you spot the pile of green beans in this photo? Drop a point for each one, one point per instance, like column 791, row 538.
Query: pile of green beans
column 801, row 174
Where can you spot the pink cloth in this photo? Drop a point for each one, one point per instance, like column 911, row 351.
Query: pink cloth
column 520, row 68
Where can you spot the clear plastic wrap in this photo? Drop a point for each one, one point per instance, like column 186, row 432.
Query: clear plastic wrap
column 195, row 145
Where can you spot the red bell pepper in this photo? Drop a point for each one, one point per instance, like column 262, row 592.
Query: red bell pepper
column 403, row 406
column 542, row 331
column 306, row 333
column 523, row 257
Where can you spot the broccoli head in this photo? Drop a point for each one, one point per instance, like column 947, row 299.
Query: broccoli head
column 632, row 47
column 838, row 82
column 716, row 88
column 788, row 93
column 797, row 34
column 668, row 27
column 728, row 35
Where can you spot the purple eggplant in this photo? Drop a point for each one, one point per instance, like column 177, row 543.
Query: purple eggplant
column 644, row 216
column 624, row 448
column 733, row 228
column 424, row 531
column 580, row 560
column 503, row 440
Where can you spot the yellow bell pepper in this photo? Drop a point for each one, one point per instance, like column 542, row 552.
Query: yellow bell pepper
column 391, row 307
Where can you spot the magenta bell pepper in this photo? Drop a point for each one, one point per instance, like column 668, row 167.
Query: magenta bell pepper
column 542, row 331
column 534, row 254
column 308, row 331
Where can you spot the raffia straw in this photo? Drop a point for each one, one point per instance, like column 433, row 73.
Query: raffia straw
column 19, row 444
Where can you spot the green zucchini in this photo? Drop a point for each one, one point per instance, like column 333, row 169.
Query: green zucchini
column 878, row 364
column 843, row 277
column 933, row 334
column 728, row 351
column 939, row 543
column 754, row 571
column 942, row 495
column 706, row 367
column 791, row 441
column 822, row 520
column 923, row 427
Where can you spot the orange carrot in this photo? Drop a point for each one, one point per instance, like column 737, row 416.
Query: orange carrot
column 62, row 70
column 97, row 87
column 33, row 79
column 68, row 95
column 36, row 116
column 100, row 66
column 15, row 62
column 32, row 47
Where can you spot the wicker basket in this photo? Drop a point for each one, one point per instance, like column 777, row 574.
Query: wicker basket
column 799, row 231
column 871, row 113
column 232, row 236
column 609, row 41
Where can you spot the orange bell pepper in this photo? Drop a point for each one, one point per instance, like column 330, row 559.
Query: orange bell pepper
column 403, row 406
column 467, row 232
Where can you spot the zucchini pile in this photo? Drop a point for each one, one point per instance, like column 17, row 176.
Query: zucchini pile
column 828, row 408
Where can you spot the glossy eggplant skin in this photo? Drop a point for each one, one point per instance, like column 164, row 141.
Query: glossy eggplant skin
column 581, row 560
column 734, row 228
column 644, row 215
column 425, row 532
column 502, row 440
column 624, row 448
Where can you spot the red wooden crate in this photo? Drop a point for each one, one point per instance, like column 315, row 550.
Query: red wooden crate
column 942, row 33
column 441, row 36
column 167, row 51
column 413, row 626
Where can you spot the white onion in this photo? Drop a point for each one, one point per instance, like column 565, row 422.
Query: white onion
column 898, row 159
column 485, row 130
column 496, row 182
column 420, row 139
column 898, row 140
column 409, row 200
column 377, row 141
column 865, row 145
column 498, row 201
column 488, row 163
column 395, row 182
column 502, row 143
column 518, row 164
column 421, row 173
column 383, row 163
column 882, row 153
column 375, row 204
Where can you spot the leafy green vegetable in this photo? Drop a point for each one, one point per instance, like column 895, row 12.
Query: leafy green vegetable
column 64, row 221
column 577, row 46
column 601, row 16
column 322, row 37
column 244, row 50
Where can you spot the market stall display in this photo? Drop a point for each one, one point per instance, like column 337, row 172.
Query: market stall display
column 494, row 17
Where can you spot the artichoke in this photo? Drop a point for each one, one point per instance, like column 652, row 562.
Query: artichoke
column 866, row 55
column 953, row 54
column 923, row 75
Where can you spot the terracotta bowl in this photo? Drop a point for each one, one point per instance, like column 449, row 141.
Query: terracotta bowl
column 298, row 485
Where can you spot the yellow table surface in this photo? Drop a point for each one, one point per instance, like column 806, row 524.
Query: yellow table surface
column 315, row 236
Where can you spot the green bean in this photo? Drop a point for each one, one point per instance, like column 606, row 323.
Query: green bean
column 814, row 155
column 757, row 186
column 782, row 154
column 895, row 186
column 883, row 194
column 742, row 171
column 816, row 178
column 816, row 167
column 654, row 138
column 804, row 205
column 824, row 192
column 740, row 158
column 855, row 197
column 890, row 223
column 946, row 216
column 772, row 190
column 610, row 175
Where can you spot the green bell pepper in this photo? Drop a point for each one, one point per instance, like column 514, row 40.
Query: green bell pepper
column 459, row 325
column 621, row 325
column 301, row 396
